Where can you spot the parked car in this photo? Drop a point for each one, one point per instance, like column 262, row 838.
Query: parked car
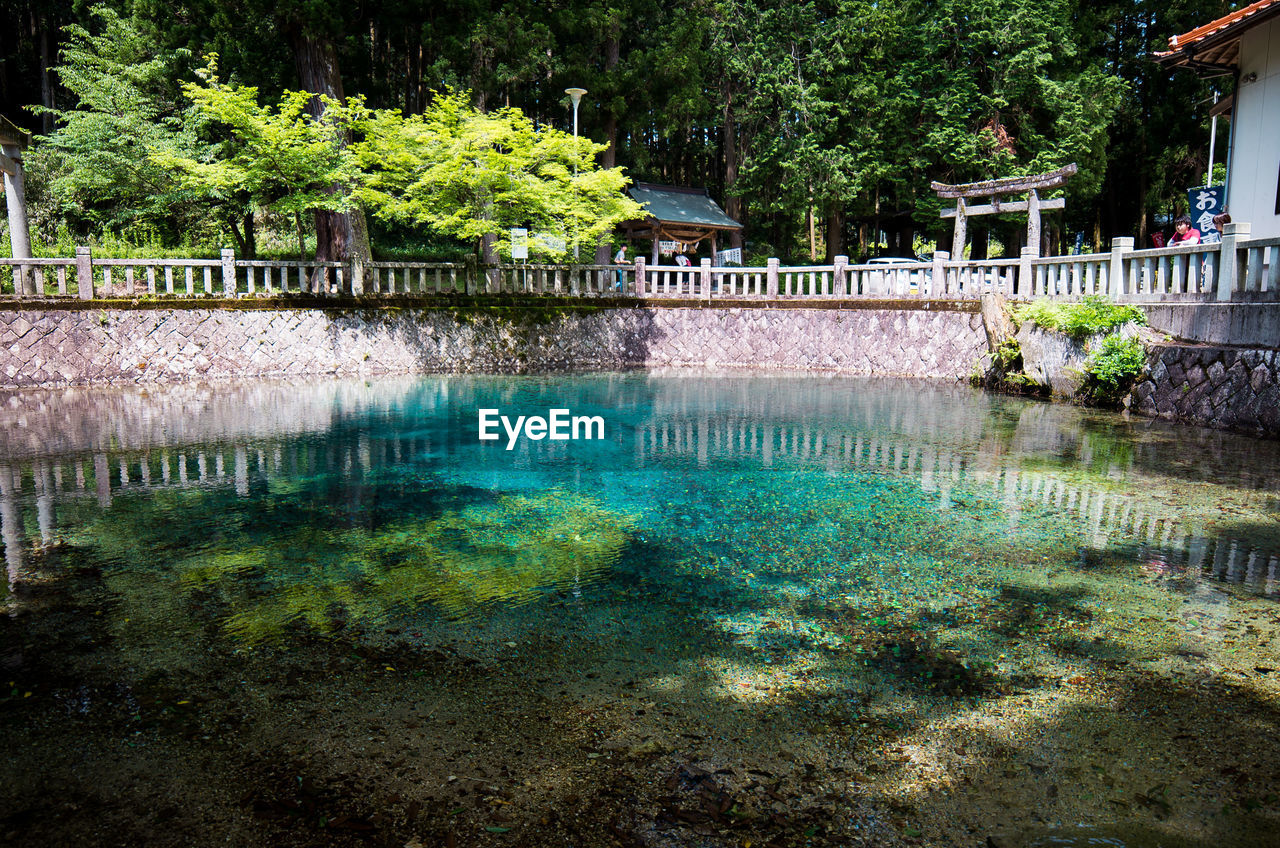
column 895, row 260
column 916, row 276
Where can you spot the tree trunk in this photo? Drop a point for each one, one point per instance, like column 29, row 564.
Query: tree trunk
column 46, row 81
column 479, row 65
column 246, row 241
column 1142, row 199
column 875, row 226
column 813, row 230
column 733, row 206
column 250, row 236
column 413, row 70
column 979, row 245
column 609, row 156
column 489, row 259
column 835, row 231
column 339, row 235
column 302, row 241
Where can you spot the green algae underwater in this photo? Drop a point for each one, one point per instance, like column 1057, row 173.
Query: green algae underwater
column 766, row 610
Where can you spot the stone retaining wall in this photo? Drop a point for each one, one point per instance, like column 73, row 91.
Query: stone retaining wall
column 1226, row 388
column 1221, row 387
column 54, row 347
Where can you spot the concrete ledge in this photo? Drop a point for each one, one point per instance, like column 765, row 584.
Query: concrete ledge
column 1255, row 325
column 482, row 302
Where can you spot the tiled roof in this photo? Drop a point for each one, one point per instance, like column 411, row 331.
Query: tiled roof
column 1188, row 39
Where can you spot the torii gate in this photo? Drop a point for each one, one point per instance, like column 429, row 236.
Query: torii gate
column 12, row 142
column 993, row 189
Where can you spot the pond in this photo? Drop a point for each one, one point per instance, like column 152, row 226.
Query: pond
column 734, row 610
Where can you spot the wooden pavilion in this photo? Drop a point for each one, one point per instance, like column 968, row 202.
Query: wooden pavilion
column 685, row 216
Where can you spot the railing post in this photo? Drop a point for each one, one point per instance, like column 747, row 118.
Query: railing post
column 771, row 289
column 357, row 274
column 1120, row 246
column 1229, row 265
column 228, row 272
column 939, row 285
column 84, row 272
column 639, row 276
column 471, row 272
column 839, row 271
column 1027, row 272
column 705, row 275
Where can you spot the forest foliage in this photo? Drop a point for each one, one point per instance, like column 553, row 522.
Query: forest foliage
column 818, row 123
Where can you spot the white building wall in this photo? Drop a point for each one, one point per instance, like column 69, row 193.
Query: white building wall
column 1255, row 154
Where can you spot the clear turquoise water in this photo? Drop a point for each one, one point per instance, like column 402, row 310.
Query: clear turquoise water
column 889, row 554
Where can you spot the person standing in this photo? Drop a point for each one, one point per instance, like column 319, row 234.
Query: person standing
column 683, row 261
column 620, row 258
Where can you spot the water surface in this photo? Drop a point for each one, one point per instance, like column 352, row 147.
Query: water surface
column 776, row 609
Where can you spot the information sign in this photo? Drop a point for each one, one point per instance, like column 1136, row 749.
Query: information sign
column 519, row 243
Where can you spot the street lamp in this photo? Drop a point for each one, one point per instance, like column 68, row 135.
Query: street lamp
column 575, row 94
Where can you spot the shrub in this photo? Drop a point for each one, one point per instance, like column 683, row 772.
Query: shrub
column 1112, row 369
column 1008, row 355
column 1092, row 315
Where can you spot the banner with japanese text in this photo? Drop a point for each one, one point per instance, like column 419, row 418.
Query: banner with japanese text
column 1205, row 202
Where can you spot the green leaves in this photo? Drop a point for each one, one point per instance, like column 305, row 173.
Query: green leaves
column 1113, row 367
column 126, row 104
column 282, row 157
column 471, row 174
column 463, row 172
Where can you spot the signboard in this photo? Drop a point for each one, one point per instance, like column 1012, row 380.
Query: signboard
column 732, row 256
column 1205, row 202
column 519, row 243
column 666, row 248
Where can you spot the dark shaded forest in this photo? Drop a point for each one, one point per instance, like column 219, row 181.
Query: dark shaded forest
column 817, row 123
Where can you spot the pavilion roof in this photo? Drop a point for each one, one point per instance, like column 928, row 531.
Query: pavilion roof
column 676, row 205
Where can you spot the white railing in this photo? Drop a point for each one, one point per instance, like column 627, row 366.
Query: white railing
column 1238, row 268
column 1198, row 273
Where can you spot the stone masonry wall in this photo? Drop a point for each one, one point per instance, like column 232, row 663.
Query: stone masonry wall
column 58, row 347
column 1221, row 387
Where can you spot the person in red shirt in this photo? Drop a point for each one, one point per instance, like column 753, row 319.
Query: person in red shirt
column 1183, row 233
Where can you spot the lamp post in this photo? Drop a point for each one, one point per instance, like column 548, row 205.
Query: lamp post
column 575, row 94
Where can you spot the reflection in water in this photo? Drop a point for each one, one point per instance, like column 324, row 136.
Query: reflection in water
column 1132, row 487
